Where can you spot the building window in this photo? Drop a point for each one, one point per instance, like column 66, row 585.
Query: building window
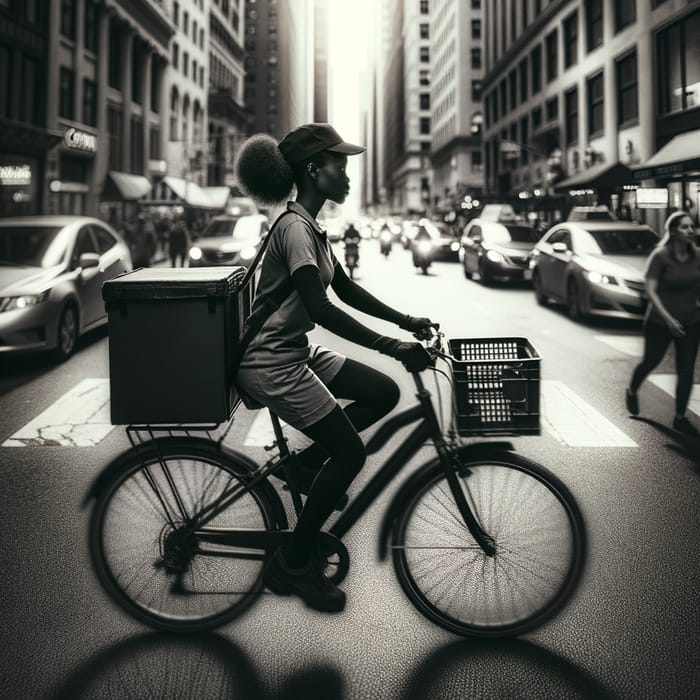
column 424, row 101
column 424, row 31
column 477, row 162
column 176, row 56
column 425, row 125
column 156, row 77
column 476, row 59
column 594, row 24
column 424, row 54
column 114, row 130
column 154, row 143
column 5, row 81
column 536, row 118
column 195, row 75
column 625, row 13
column 89, row 102
column 29, row 102
column 657, row 3
column 552, row 109
column 185, row 63
column 174, row 113
column 476, row 4
column 476, row 90
column 114, row 74
column 176, row 14
column 194, row 31
column 536, row 68
column 513, row 88
column 68, row 18
column 524, row 138
column 91, row 26
column 626, row 73
column 513, row 21
column 424, row 9
column 66, row 93
column 552, row 55
column 201, row 39
column 571, row 116
column 571, row 40
column 186, row 22
column 136, row 74
column 522, row 70
column 503, row 89
column 186, row 118
column 596, row 112
column 476, row 29
column 424, row 77
column 678, row 73
column 136, row 145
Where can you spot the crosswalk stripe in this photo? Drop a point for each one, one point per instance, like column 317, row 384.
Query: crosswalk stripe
column 630, row 345
column 667, row 383
column 576, row 423
column 80, row 418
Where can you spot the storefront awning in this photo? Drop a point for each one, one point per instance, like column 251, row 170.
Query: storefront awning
column 189, row 192
column 680, row 155
column 605, row 176
column 125, row 187
column 218, row 196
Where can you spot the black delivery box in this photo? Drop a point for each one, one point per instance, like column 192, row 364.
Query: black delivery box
column 172, row 333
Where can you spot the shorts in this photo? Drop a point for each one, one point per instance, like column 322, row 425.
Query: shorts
column 297, row 393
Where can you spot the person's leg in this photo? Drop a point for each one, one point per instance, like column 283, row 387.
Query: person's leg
column 657, row 338
column 686, row 354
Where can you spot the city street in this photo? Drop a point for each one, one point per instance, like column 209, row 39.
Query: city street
column 630, row 630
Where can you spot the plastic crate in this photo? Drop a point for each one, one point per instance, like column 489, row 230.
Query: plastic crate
column 497, row 386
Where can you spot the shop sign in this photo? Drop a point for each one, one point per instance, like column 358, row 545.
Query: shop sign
column 652, row 198
column 81, row 140
column 63, row 186
column 16, row 175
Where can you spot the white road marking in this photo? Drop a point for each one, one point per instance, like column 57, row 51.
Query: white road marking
column 667, row 383
column 80, row 418
column 630, row 345
column 574, row 422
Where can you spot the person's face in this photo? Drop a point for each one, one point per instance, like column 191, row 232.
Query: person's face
column 331, row 180
column 684, row 232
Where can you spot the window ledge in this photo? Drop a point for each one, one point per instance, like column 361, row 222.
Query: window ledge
column 629, row 123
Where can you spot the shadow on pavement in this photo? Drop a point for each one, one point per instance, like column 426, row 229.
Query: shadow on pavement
column 157, row 665
column 500, row 669
column 687, row 446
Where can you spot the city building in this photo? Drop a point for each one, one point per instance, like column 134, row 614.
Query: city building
column 579, row 95
column 228, row 118
column 278, row 65
column 106, row 95
column 456, row 47
column 321, row 61
column 25, row 139
column 406, row 108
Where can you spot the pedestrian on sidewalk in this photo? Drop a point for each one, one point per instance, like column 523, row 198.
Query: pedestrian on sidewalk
column 672, row 277
column 178, row 242
column 302, row 382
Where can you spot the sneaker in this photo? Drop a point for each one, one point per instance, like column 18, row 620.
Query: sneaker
column 308, row 583
column 683, row 425
column 304, row 477
column 632, row 402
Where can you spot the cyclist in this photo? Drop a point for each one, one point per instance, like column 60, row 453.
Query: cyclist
column 302, row 382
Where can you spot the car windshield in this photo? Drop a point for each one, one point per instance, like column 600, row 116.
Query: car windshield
column 241, row 229
column 510, row 233
column 618, row 241
column 34, row 246
column 221, row 227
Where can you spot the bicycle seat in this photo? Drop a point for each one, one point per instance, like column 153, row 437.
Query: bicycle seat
column 248, row 402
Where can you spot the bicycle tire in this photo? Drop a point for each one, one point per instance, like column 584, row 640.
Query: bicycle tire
column 129, row 535
column 476, row 595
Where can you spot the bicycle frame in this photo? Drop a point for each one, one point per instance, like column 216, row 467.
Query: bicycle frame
column 428, row 428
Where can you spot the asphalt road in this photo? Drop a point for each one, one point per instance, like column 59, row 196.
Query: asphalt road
column 630, row 631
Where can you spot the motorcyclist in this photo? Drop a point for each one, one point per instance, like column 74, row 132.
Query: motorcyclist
column 385, row 239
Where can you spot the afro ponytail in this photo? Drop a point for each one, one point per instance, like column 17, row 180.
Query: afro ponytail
column 262, row 171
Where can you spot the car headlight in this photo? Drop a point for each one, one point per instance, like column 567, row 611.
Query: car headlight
column 425, row 246
column 247, row 253
column 598, row 278
column 454, row 247
column 495, row 256
column 22, row 302
column 196, row 253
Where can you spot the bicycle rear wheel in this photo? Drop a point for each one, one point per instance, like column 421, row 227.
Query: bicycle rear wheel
column 142, row 543
column 539, row 537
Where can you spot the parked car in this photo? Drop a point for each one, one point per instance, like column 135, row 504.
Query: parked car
column 51, row 273
column 497, row 251
column 229, row 240
column 598, row 212
column 594, row 267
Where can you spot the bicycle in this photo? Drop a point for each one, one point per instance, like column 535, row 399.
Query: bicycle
column 484, row 542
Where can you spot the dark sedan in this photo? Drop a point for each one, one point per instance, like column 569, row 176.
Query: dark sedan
column 497, row 251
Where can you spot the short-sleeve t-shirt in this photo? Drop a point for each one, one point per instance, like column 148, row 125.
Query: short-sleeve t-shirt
column 679, row 285
column 295, row 242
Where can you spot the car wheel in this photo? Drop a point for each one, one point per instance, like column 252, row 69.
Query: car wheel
column 484, row 276
column 67, row 333
column 540, row 296
column 573, row 303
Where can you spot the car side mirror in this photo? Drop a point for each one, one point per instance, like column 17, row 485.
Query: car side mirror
column 88, row 260
column 559, row 247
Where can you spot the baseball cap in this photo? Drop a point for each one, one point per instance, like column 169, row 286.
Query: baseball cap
column 309, row 139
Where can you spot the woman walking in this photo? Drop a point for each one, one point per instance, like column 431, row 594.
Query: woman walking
column 673, row 286
column 301, row 382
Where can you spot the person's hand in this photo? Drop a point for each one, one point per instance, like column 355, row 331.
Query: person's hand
column 419, row 325
column 676, row 328
column 413, row 355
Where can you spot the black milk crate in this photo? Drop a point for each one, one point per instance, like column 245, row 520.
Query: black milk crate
column 497, row 386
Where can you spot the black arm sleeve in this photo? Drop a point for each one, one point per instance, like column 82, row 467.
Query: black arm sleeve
column 352, row 294
column 321, row 310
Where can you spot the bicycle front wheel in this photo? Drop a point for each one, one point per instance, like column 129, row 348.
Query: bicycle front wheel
column 142, row 543
column 539, row 538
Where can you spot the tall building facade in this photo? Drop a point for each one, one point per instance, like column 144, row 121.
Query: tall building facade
column 228, row 118
column 581, row 94
column 456, row 46
column 321, row 61
column 106, row 96
column 407, row 115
